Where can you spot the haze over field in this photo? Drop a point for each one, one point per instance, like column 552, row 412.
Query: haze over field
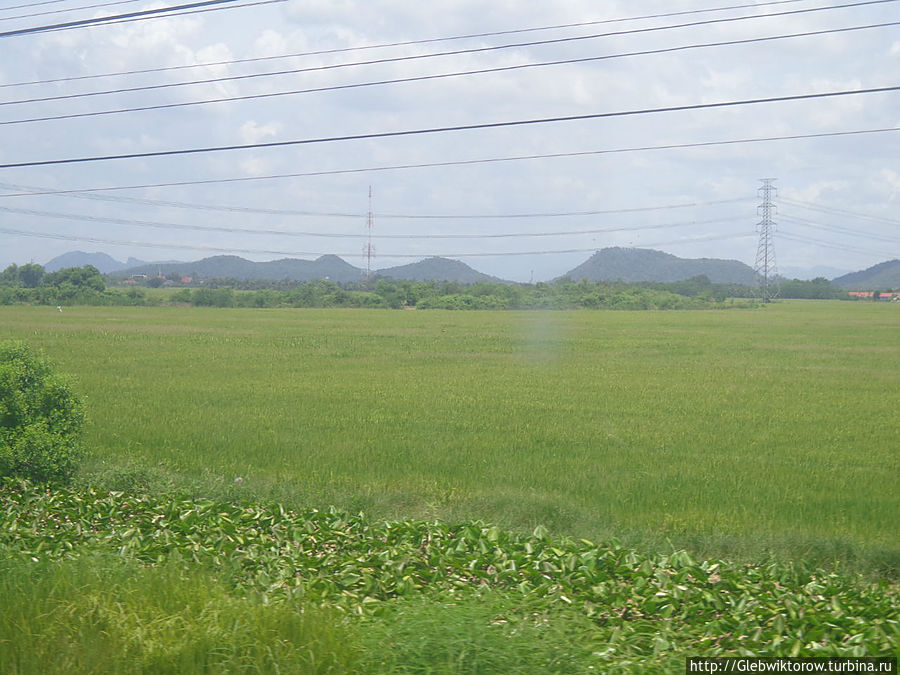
column 552, row 193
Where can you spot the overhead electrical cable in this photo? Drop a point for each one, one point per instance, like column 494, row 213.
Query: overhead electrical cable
column 423, row 78
column 349, row 235
column 69, row 9
column 32, row 4
column 491, row 160
column 107, row 19
column 187, row 12
column 818, row 242
column 835, row 211
column 406, row 43
column 481, row 254
column 32, row 192
column 454, row 128
column 838, row 229
column 417, row 57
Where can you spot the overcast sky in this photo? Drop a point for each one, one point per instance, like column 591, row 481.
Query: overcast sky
column 838, row 199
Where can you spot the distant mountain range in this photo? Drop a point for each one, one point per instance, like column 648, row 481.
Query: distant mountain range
column 636, row 264
column 609, row 264
column 878, row 277
column 233, row 267
column 104, row 263
column 326, row 267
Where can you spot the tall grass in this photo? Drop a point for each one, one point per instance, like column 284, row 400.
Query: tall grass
column 729, row 431
column 100, row 614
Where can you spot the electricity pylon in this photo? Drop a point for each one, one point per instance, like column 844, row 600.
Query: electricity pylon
column 765, row 268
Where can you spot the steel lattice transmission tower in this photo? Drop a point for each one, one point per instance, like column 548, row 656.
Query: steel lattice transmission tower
column 765, row 268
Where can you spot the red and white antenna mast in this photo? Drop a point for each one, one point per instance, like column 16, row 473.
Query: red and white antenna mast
column 368, row 249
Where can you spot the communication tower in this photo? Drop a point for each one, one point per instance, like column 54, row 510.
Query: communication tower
column 368, row 249
column 765, row 268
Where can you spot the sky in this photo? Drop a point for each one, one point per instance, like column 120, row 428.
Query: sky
column 651, row 161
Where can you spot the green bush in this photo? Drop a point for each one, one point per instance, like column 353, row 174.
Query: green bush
column 40, row 417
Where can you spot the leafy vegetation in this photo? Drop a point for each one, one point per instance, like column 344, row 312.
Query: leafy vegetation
column 71, row 285
column 85, row 286
column 639, row 608
column 815, row 289
column 40, row 417
column 27, row 276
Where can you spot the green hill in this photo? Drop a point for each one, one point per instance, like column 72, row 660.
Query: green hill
column 437, row 269
column 882, row 276
column 635, row 264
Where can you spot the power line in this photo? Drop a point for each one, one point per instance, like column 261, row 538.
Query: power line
column 33, row 4
column 107, row 19
column 188, row 12
column 838, row 229
column 471, row 162
column 70, row 9
column 343, row 235
column 455, row 128
column 33, row 192
column 818, row 242
column 836, row 211
column 138, row 244
column 424, row 78
column 416, row 57
column 406, row 43
column 481, row 235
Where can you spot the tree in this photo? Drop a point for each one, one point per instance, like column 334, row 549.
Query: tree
column 28, row 275
column 40, row 417
column 87, row 278
column 31, row 275
column 10, row 276
column 818, row 288
column 213, row 297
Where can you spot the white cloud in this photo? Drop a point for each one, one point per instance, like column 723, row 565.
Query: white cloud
column 825, row 191
column 274, row 43
column 891, row 181
column 254, row 166
column 251, row 132
column 853, row 173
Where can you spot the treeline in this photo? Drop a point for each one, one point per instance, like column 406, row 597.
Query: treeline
column 699, row 286
column 446, row 295
column 815, row 289
column 29, row 284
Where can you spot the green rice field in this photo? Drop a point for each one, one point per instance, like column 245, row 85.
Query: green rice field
column 374, row 491
column 739, row 432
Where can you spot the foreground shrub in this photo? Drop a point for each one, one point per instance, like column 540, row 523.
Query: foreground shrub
column 40, row 417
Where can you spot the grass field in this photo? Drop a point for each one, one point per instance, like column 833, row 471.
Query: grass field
column 728, row 432
column 761, row 441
